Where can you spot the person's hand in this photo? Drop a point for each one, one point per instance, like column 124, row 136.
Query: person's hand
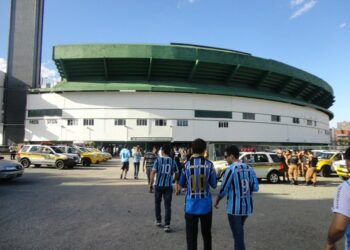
column 216, row 205
column 330, row 246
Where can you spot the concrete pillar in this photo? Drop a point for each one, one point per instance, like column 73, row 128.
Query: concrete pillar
column 24, row 64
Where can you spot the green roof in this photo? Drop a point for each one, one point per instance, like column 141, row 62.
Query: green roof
column 186, row 68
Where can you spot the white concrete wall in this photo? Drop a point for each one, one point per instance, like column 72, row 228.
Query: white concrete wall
column 104, row 107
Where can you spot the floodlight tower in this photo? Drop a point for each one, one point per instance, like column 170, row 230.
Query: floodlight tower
column 23, row 64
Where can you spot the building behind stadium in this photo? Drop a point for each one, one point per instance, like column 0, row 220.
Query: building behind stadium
column 137, row 93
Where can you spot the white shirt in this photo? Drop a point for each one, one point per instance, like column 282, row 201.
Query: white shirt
column 341, row 205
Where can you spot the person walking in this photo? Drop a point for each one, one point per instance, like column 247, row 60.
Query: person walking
column 13, row 151
column 238, row 185
column 137, row 157
column 198, row 176
column 311, row 173
column 340, row 224
column 148, row 161
column 124, row 157
column 164, row 167
column 293, row 168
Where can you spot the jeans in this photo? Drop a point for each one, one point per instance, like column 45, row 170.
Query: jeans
column 136, row 168
column 167, row 194
column 192, row 230
column 237, row 224
column 148, row 172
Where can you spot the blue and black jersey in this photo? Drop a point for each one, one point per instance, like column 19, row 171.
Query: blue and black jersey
column 165, row 168
column 198, row 175
column 238, row 184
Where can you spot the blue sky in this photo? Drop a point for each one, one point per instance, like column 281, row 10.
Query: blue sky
column 313, row 35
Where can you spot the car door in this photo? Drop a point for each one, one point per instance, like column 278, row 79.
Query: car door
column 35, row 156
column 48, row 156
column 261, row 165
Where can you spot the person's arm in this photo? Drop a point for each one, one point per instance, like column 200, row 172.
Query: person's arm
column 225, row 186
column 254, row 183
column 212, row 179
column 153, row 173
column 336, row 230
column 143, row 163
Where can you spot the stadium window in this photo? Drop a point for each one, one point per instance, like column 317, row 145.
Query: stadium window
column 88, row 122
column 160, row 122
column 248, row 116
column 223, row 124
column 72, row 122
column 213, row 114
column 182, row 123
column 51, row 121
column 275, row 118
column 315, row 123
column 119, row 122
column 296, row 120
column 141, row 122
column 309, row 122
column 44, row 112
column 33, row 121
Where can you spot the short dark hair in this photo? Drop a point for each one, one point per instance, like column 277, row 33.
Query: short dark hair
column 232, row 150
column 166, row 149
column 347, row 154
column 199, row 146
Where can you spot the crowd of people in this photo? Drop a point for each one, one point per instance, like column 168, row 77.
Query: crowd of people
column 190, row 170
column 298, row 164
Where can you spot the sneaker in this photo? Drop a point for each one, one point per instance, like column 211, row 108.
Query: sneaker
column 315, row 185
column 157, row 223
column 167, row 229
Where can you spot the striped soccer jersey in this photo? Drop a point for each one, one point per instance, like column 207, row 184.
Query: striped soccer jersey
column 165, row 167
column 238, row 184
column 198, row 175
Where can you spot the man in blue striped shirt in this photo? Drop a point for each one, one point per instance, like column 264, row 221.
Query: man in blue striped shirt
column 238, row 185
column 165, row 167
column 198, row 176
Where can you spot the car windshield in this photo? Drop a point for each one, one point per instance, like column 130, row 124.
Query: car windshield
column 325, row 156
column 57, row 150
column 83, row 149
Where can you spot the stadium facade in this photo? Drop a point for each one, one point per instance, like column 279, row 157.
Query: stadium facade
column 178, row 92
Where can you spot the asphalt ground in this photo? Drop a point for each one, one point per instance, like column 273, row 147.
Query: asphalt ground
column 91, row 208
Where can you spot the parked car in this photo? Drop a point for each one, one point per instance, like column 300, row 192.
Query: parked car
column 336, row 164
column 325, row 160
column 342, row 170
column 266, row 165
column 38, row 155
column 85, row 158
column 10, row 170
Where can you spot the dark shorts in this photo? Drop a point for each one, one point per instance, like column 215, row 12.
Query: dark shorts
column 125, row 166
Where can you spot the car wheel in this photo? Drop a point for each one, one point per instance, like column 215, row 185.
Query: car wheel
column 86, row 162
column 37, row 165
column 25, row 163
column 59, row 164
column 344, row 178
column 273, row 177
column 326, row 171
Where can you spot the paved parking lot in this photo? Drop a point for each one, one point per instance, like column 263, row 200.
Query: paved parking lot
column 91, row 208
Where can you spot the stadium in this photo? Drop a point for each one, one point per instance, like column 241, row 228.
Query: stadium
column 140, row 93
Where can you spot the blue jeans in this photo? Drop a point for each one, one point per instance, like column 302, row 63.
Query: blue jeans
column 237, row 224
column 136, row 168
column 167, row 194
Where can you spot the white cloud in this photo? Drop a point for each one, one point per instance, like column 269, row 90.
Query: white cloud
column 49, row 75
column 341, row 26
column 3, row 64
column 182, row 3
column 307, row 6
column 294, row 3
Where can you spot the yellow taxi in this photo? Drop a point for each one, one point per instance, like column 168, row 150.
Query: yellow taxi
column 325, row 160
